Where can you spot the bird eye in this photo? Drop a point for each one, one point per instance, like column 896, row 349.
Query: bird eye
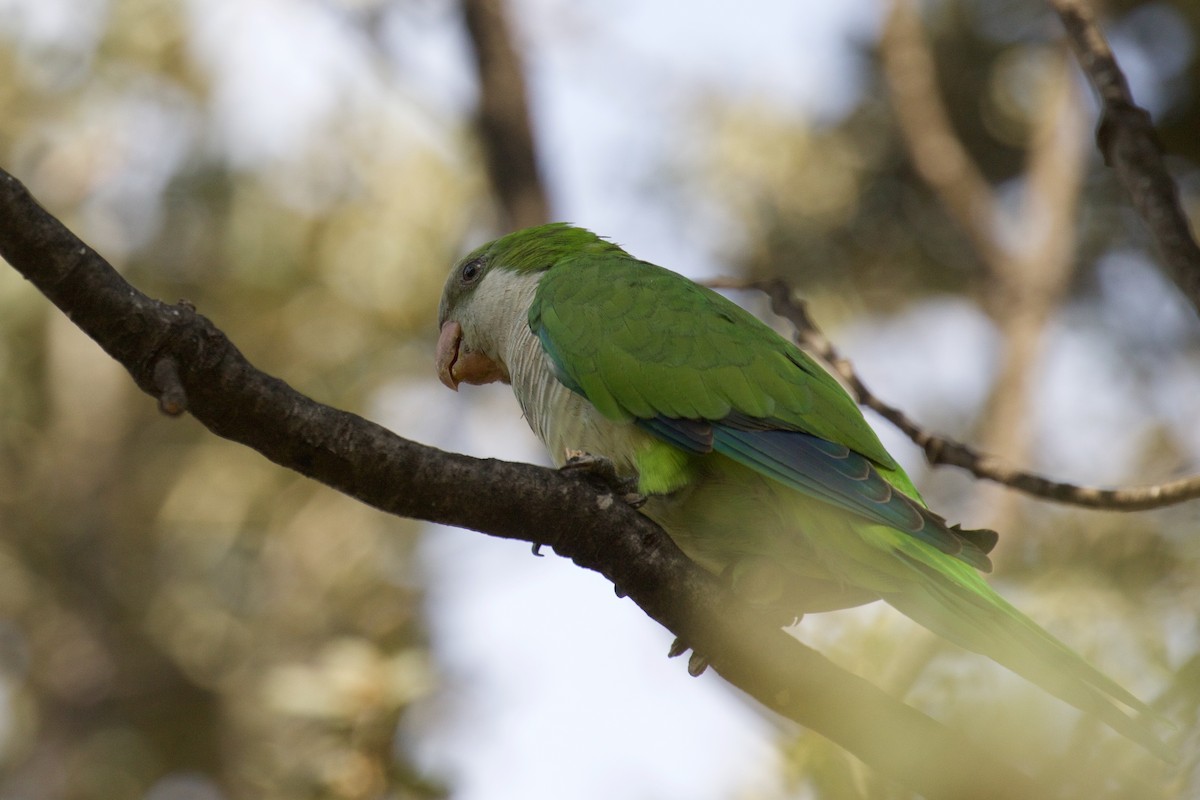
column 472, row 270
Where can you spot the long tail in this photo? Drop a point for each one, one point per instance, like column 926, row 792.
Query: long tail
column 969, row 613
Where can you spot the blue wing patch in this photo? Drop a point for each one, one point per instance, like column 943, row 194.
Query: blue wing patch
column 827, row 471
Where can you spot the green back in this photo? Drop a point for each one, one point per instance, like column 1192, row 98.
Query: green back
column 641, row 342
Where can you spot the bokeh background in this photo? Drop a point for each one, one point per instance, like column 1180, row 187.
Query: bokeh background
column 181, row 620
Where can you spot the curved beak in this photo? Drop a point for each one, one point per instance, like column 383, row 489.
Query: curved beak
column 447, row 353
column 457, row 364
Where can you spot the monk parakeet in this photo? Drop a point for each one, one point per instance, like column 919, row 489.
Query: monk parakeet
column 752, row 458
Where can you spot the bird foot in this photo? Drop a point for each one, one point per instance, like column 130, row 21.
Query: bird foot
column 602, row 473
column 697, row 663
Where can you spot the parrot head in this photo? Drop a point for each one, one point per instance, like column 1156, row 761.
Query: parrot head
column 491, row 289
column 460, row 354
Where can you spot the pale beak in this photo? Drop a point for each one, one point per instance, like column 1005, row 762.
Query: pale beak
column 456, row 363
column 447, row 353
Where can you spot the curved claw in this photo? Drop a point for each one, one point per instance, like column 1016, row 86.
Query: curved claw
column 602, row 472
column 697, row 663
column 678, row 648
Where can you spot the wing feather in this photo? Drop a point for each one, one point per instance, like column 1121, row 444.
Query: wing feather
column 623, row 330
column 644, row 344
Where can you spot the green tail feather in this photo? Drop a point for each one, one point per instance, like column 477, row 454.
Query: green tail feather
column 983, row 622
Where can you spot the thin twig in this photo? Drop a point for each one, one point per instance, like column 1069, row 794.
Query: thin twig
column 941, row 450
column 1129, row 144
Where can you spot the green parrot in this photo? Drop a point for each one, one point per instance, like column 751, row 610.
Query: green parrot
column 753, row 459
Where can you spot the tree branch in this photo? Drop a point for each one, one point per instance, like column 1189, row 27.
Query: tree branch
column 1031, row 282
column 1129, row 144
column 943, row 450
column 937, row 154
column 1026, row 281
column 504, row 127
column 181, row 358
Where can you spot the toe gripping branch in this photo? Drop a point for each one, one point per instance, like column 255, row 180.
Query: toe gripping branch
column 602, row 473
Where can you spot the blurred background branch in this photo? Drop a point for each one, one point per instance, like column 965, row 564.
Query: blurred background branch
column 924, row 123
column 179, row 618
column 1130, row 145
column 236, row 401
column 1027, row 278
column 504, row 128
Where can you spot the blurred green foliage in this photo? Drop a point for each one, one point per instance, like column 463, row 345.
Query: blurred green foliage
column 177, row 613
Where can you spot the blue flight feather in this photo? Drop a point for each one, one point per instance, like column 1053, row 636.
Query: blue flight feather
column 822, row 469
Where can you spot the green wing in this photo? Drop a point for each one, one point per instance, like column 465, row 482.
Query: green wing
column 644, row 344
column 640, row 341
